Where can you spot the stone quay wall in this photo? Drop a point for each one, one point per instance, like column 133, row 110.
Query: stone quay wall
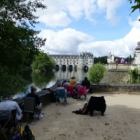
column 122, row 88
column 119, row 66
column 45, row 95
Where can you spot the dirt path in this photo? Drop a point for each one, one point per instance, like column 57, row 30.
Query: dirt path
column 121, row 120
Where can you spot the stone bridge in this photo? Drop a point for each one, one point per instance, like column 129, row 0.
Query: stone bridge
column 73, row 62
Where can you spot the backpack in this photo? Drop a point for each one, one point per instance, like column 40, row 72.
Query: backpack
column 27, row 134
column 75, row 95
column 90, row 90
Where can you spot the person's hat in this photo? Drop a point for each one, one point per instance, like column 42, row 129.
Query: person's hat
column 73, row 77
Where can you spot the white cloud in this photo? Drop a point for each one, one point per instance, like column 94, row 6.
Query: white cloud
column 72, row 41
column 110, row 6
column 64, row 41
column 54, row 15
column 135, row 23
column 122, row 47
column 59, row 13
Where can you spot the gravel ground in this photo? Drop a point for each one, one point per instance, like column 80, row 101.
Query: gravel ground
column 120, row 122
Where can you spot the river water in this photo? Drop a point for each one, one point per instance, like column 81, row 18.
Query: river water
column 48, row 79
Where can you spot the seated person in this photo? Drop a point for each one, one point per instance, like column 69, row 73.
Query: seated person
column 77, row 85
column 66, row 83
column 86, row 83
column 83, row 110
column 38, row 103
column 73, row 81
column 8, row 106
column 59, row 86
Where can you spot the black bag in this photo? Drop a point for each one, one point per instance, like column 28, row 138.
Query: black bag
column 75, row 95
column 90, row 90
column 27, row 134
column 54, row 99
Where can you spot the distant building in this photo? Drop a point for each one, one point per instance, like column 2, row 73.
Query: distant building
column 83, row 61
column 110, row 58
column 124, row 65
column 136, row 60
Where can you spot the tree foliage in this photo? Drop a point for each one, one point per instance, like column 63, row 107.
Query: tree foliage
column 102, row 59
column 129, row 59
column 43, row 62
column 19, row 41
column 134, row 79
column 135, row 7
column 96, row 73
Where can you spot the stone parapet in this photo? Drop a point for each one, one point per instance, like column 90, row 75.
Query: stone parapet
column 116, row 66
column 44, row 95
column 115, row 88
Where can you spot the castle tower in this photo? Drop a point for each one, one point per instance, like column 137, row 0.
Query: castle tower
column 113, row 58
column 81, row 61
column 90, row 60
column 137, row 56
column 110, row 58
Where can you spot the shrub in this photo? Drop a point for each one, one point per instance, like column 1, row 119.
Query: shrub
column 96, row 73
column 134, row 76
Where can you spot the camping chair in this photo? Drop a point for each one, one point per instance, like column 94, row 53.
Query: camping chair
column 96, row 104
column 70, row 90
column 60, row 93
column 81, row 91
column 30, row 105
column 7, row 124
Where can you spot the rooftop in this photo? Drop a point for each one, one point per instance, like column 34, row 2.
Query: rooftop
column 83, row 54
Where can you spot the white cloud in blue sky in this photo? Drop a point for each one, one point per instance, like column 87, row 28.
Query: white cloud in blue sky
column 98, row 26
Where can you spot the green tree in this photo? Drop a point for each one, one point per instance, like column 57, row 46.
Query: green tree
column 19, row 41
column 129, row 59
column 135, row 7
column 96, row 73
column 102, row 59
column 43, row 62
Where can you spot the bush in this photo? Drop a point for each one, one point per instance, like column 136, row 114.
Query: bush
column 96, row 73
column 134, row 76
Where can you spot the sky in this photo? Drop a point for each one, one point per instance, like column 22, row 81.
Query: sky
column 95, row 26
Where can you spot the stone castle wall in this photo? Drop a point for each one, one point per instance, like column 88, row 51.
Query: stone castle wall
column 76, row 61
column 116, row 66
